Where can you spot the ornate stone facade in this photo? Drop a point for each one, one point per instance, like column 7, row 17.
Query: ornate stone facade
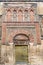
column 19, row 19
column 20, row 16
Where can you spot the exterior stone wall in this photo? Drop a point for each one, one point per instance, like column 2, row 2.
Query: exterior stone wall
column 10, row 32
column 7, row 54
column 11, row 28
column 35, row 54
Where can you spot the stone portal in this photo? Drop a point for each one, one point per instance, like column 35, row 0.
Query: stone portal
column 21, row 45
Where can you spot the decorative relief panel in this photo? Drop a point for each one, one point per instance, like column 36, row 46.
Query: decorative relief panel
column 15, row 29
column 14, row 16
column 26, row 16
column 12, row 13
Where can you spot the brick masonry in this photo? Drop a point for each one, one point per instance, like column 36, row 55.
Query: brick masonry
column 9, row 35
column 11, row 28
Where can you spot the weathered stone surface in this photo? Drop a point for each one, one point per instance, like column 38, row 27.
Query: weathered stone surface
column 35, row 55
column 11, row 28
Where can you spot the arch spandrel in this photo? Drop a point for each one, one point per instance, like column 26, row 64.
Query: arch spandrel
column 28, row 33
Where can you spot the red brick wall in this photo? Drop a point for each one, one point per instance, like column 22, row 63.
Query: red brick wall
column 38, row 33
column 3, row 33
